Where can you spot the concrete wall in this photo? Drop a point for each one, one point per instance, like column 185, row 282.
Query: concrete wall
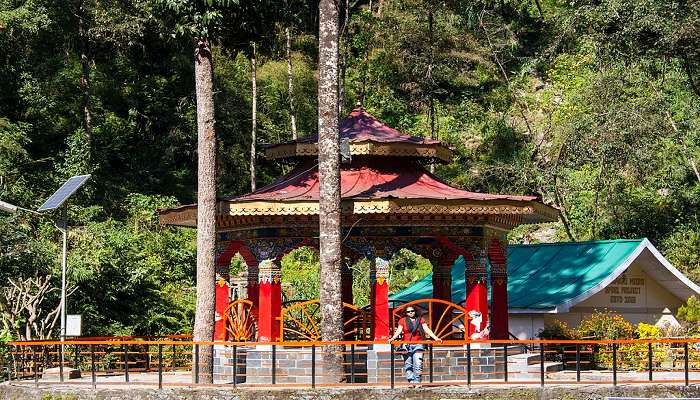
column 525, row 326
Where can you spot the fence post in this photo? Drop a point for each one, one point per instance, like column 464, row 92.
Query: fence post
column 14, row 363
column 469, row 365
column 505, row 362
column 172, row 359
column 614, row 362
column 160, row 366
column 274, row 362
column 235, row 365
column 578, row 362
column 352, row 363
column 148, row 358
column 126, row 362
column 35, row 367
column 651, row 363
column 391, row 365
column 430, row 358
column 92, row 366
column 313, row 366
column 685, row 362
column 541, row 364
column 196, row 363
column 60, row 363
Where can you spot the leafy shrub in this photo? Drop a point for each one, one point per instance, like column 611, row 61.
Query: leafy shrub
column 557, row 330
column 689, row 314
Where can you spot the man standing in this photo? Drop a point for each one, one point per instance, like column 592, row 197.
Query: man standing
column 414, row 329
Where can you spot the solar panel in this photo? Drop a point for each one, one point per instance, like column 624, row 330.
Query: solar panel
column 64, row 192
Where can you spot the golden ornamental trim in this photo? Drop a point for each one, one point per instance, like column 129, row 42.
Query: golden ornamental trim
column 531, row 211
column 437, row 151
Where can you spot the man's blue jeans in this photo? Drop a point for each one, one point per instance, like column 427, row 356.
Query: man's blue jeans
column 413, row 362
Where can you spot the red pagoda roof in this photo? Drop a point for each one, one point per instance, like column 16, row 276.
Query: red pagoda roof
column 377, row 181
column 369, row 180
column 367, row 136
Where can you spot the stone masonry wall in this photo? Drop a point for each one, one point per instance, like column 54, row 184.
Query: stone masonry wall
column 449, row 364
column 294, row 365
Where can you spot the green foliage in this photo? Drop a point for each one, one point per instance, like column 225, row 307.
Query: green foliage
column 690, row 311
column 300, row 276
column 593, row 106
column 558, row 330
column 134, row 277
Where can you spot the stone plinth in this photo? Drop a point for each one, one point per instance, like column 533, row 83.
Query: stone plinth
column 292, row 365
column 448, row 363
column 224, row 363
column 54, row 374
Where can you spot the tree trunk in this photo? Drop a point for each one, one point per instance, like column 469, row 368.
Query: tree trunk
column 343, row 58
column 431, row 81
column 206, row 207
column 290, row 85
column 85, row 82
column 329, row 187
column 253, row 136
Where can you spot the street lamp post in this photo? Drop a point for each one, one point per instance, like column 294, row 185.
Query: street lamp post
column 63, row 227
column 56, row 200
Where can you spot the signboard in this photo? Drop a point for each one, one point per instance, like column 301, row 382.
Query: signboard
column 626, row 290
column 74, row 323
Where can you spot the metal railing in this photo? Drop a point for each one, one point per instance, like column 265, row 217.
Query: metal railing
column 168, row 362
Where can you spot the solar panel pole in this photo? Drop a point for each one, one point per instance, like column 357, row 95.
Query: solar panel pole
column 63, row 227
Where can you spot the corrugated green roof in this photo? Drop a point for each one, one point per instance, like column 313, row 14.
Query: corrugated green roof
column 542, row 276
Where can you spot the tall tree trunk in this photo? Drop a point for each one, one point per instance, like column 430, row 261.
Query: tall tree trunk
column 85, row 81
column 206, row 207
column 290, row 85
column 343, row 58
column 329, row 186
column 253, row 136
column 431, row 81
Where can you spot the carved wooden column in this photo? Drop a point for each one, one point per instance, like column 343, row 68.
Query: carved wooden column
column 477, row 295
column 499, row 289
column 379, row 279
column 442, row 290
column 270, row 301
column 346, row 280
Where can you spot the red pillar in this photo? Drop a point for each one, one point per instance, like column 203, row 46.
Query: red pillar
column 221, row 296
column 499, row 290
column 253, row 287
column 477, row 296
column 380, row 299
column 270, row 301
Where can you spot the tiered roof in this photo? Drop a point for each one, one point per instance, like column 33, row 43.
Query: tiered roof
column 386, row 176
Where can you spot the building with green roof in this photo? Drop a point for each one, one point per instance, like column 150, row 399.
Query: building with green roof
column 567, row 281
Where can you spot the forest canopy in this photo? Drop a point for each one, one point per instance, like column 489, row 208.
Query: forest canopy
column 594, row 106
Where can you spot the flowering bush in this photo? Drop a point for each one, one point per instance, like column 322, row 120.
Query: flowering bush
column 605, row 325
column 602, row 325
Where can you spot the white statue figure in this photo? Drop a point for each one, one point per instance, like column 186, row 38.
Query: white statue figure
column 475, row 319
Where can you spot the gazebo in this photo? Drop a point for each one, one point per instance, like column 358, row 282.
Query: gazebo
column 389, row 201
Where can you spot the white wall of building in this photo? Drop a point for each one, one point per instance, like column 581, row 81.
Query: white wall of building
column 634, row 295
